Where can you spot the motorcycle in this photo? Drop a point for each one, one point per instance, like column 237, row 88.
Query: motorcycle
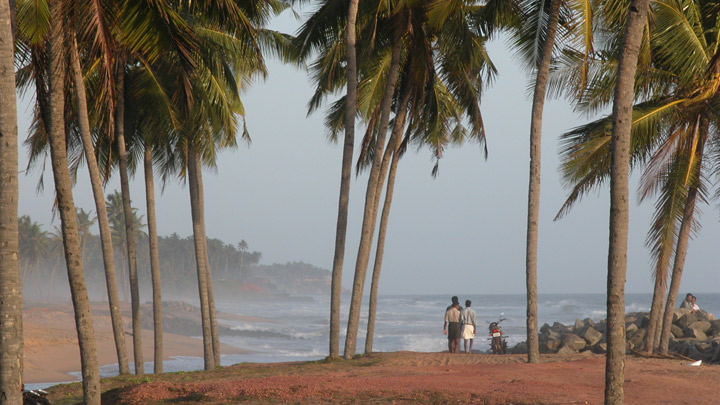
column 498, row 345
column 35, row 397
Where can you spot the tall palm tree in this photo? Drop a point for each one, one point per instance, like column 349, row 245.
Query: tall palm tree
column 66, row 206
column 11, row 331
column 619, row 196
column 669, row 128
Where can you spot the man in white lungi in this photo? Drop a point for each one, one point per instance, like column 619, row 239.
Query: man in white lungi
column 467, row 319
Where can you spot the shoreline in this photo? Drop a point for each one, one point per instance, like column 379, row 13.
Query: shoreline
column 52, row 352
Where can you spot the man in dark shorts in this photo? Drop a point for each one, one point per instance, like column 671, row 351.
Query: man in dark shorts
column 452, row 326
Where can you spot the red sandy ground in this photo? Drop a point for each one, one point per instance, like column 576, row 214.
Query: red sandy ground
column 408, row 377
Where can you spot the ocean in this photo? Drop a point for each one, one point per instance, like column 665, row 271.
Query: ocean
column 297, row 330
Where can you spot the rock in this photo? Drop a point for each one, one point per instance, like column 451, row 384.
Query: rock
column 592, row 336
column 694, row 333
column 631, row 329
column 715, row 327
column 520, row 348
column 545, row 329
column 638, row 339
column 567, row 350
column 600, row 348
column 589, row 322
column 686, row 320
column 678, row 313
column 553, row 344
column 558, row 327
column 704, row 315
column 704, row 326
column 574, row 342
column 676, row 331
column 579, row 325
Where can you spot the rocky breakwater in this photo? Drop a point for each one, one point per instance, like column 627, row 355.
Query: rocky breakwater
column 695, row 335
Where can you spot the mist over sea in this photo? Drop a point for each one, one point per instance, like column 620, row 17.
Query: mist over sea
column 297, row 330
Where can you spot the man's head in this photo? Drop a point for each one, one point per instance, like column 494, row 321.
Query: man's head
column 468, row 303
column 689, row 297
column 455, row 300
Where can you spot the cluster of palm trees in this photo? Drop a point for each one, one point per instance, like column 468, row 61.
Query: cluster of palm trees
column 41, row 255
column 114, row 81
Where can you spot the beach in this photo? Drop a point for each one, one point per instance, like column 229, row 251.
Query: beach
column 52, row 352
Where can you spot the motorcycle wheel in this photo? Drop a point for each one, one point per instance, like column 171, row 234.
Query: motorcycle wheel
column 495, row 346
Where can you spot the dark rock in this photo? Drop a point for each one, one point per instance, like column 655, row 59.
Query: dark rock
column 631, row 329
column 686, row 320
column 520, row 348
column 715, row 327
column 694, row 334
column 600, row 348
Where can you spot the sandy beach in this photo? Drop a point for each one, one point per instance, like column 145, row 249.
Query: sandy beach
column 52, row 352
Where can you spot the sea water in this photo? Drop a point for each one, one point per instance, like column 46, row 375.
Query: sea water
column 297, row 329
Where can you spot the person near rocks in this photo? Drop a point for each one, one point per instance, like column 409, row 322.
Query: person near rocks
column 695, row 306
column 688, row 302
column 452, row 325
column 467, row 319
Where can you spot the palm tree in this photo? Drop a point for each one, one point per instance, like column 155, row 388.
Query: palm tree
column 619, row 196
column 670, row 130
column 11, row 332
column 66, row 207
column 102, row 218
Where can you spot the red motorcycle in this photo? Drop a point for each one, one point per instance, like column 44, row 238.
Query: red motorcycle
column 498, row 345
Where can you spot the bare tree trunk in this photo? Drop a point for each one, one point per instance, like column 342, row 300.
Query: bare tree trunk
column 129, row 226
column 154, row 259
column 533, row 220
column 103, row 223
column 208, row 353
column 372, row 197
column 658, row 300
column 682, row 243
column 619, row 207
column 66, row 208
column 211, row 295
column 393, row 148
column 11, row 304
column 346, row 171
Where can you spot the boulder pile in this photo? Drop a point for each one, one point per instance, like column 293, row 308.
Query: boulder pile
column 695, row 335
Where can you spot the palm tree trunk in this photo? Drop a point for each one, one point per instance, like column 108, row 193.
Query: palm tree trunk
column 11, row 305
column 208, row 353
column 533, row 220
column 345, row 172
column 658, row 300
column 154, row 259
column 129, row 231
column 211, row 295
column 393, row 148
column 372, row 197
column 66, row 208
column 103, row 223
column 619, row 197
column 678, row 266
column 682, row 242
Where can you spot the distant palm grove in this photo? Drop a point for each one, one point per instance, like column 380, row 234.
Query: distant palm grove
column 154, row 87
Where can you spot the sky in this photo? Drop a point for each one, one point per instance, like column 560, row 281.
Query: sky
column 463, row 232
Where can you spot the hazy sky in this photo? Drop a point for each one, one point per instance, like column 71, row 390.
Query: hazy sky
column 463, row 232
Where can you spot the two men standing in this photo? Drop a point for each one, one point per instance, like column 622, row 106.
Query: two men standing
column 459, row 323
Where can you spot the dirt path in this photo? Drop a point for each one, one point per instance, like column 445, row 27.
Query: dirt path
column 408, row 377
